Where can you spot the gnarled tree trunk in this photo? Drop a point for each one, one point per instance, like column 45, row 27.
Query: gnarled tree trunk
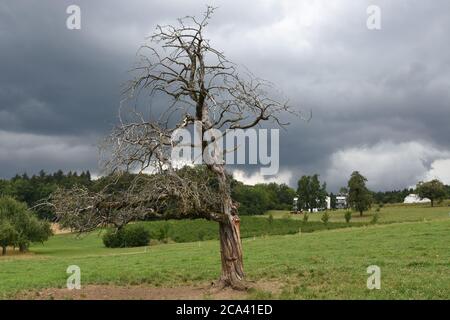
column 232, row 274
column 231, row 254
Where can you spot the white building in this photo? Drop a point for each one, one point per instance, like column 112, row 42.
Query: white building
column 414, row 198
column 295, row 207
column 341, row 202
column 328, row 201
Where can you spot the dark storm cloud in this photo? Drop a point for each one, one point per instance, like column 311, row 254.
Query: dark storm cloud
column 369, row 91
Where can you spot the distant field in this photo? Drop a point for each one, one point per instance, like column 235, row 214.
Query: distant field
column 414, row 258
column 387, row 214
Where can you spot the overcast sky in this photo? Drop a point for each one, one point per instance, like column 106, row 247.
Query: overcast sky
column 380, row 98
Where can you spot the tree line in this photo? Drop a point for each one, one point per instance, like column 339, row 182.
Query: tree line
column 253, row 200
column 32, row 189
column 312, row 193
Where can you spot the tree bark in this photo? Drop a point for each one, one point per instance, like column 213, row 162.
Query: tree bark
column 3, row 251
column 232, row 274
column 231, row 254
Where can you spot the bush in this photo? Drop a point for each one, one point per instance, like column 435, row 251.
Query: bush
column 129, row 236
column 325, row 217
column 201, row 235
column 348, row 216
column 305, row 217
column 164, row 233
column 270, row 219
column 375, row 218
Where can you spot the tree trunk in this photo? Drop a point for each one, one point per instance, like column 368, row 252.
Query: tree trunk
column 231, row 254
column 3, row 251
column 432, row 203
column 360, row 213
column 230, row 237
column 22, row 248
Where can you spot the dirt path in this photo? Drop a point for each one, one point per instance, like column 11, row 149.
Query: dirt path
column 112, row 292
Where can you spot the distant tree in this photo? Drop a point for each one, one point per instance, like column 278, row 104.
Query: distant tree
column 260, row 198
column 359, row 198
column 333, row 201
column 394, row 196
column 32, row 190
column 7, row 235
column 343, row 190
column 21, row 225
column 311, row 194
column 348, row 216
column 286, row 194
column 433, row 190
column 303, row 192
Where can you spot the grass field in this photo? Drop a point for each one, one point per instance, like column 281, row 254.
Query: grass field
column 387, row 214
column 414, row 258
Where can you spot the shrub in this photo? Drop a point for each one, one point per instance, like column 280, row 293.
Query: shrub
column 112, row 239
column 348, row 216
column 305, row 217
column 201, row 235
column 325, row 217
column 164, row 233
column 375, row 218
column 270, row 219
column 128, row 236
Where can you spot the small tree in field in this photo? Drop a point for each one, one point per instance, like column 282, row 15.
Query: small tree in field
column 325, row 217
column 7, row 235
column 201, row 91
column 433, row 190
column 348, row 216
column 19, row 227
column 311, row 194
column 359, row 197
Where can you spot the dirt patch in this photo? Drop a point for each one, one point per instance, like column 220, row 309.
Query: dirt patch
column 113, row 292
column 15, row 253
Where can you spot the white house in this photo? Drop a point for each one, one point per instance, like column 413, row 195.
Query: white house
column 414, row 198
column 295, row 207
column 341, row 202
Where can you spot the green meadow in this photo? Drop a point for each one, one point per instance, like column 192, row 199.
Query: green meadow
column 411, row 245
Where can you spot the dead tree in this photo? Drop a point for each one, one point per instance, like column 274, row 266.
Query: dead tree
column 202, row 88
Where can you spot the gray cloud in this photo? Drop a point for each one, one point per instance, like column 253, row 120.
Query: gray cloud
column 370, row 91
